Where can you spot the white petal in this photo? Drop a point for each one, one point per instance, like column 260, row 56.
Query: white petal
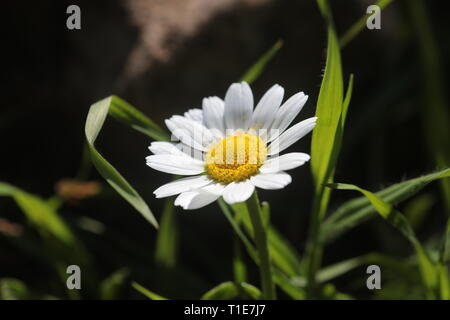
column 174, row 164
column 190, row 132
column 285, row 162
column 162, row 147
column 287, row 113
column 189, row 151
column 195, row 199
column 182, row 185
column 267, row 107
column 238, row 106
column 213, row 119
column 271, row 181
column 195, row 114
column 292, row 135
column 215, row 188
column 238, row 191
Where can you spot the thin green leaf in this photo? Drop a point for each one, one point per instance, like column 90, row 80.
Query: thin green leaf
column 358, row 210
column 283, row 255
column 279, row 278
column 252, row 291
column 94, row 123
column 167, row 238
column 110, row 287
column 360, row 25
column 223, row 291
column 436, row 116
column 444, row 257
column 398, row 220
column 256, row 69
column 146, row 292
column 328, row 110
column 58, row 238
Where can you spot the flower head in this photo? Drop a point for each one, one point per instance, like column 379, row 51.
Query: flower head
column 227, row 148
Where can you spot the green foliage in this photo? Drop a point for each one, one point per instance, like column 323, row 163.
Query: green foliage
column 146, row 292
column 167, row 238
column 398, row 220
column 61, row 245
column 111, row 287
column 358, row 210
column 230, row 290
column 258, row 67
column 360, row 25
column 94, row 123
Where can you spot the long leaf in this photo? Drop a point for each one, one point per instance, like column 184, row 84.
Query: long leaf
column 436, row 116
column 149, row 294
column 359, row 210
column 283, row 255
column 280, row 279
column 94, row 123
column 258, row 67
column 167, row 238
column 360, row 25
column 398, row 220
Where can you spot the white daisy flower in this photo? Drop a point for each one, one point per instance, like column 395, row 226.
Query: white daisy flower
column 227, row 148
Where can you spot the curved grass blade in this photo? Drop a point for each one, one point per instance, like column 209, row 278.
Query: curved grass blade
column 283, row 255
column 359, row 210
column 94, row 123
column 59, row 239
column 167, row 237
column 279, row 278
column 110, row 287
column 360, row 25
column 224, row 291
column 444, row 258
column 258, row 67
column 146, row 292
column 398, row 220
column 435, row 110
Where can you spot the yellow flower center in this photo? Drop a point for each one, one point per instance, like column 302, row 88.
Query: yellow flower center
column 236, row 157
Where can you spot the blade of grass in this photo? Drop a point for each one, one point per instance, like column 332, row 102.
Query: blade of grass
column 360, row 25
column 94, row 123
column 398, row 220
column 258, row 67
column 110, row 287
column 435, row 107
column 167, row 237
column 146, row 292
column 326, row 139
column 359, row 210
column 444, row 257
column 279, row 278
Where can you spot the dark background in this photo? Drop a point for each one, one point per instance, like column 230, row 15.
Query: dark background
column 163, row 57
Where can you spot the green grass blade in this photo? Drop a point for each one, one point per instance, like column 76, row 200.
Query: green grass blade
column 258, row 67
column 127, row 114
column 281, row 280
column 359, row 210
column 436, row 114
column 110, row 287
column 282, row 253
column 167, row 238
column 58, row 237
column 360, row 25
column 146, row 292
column 223, row 291
column 329, row 109
column 94, row 123
column 398, row 220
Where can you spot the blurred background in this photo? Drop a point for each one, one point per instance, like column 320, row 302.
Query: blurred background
column 163, row 57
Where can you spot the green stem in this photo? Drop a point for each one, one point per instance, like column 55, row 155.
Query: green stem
column 260, row 237
column 314, row 249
